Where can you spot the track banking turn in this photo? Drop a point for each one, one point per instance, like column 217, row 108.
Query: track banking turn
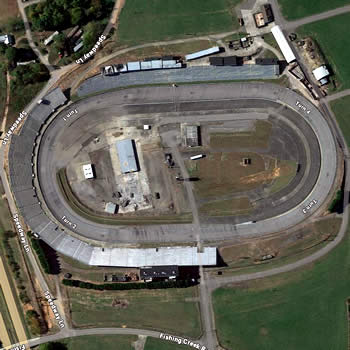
column 45, row 211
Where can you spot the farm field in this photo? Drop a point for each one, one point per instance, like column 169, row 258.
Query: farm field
column 293, row 306
column 300, row 8
column 93, row 308
column 341, row 109
column 96, row 342
column 8, row 8
column 334, row 45
column 165, row 19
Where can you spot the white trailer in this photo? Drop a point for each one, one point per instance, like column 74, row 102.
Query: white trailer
column 198, row 156
column 283, row 44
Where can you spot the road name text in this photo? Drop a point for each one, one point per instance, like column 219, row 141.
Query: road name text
column 13, row 127
column 182, row 341
column 54, row 309
column 22, row 236
column 92, row 51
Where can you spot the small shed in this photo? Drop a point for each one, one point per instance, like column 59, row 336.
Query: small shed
column 321, row 73
column 110, row 208
column 191, row 135
column 88, row 171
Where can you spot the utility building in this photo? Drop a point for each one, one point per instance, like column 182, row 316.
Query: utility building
column 321, row 74
column 192, row 136
column 127, row 156
column 88, row 171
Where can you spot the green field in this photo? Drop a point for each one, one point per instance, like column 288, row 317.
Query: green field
column 334, row 45
column 341, row 109
column 97, row 342
column 294, row 9
column 147, row 309
column 144, row 21
column 304, row 309
column 158, row 344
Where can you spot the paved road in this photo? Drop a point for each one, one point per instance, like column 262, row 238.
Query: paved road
column 337, row 95
column 314, row 18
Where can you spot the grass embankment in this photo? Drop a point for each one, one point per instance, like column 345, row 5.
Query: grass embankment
column 234, row 206
column 87, row 213
column 300, row 8
column 247, row 256
column 303, row 309
column 146, row 309
column 158, row 344
column 341, row 109
column 3, row 89
column 329, row 34
column 105, row 342
column 154, row 20
column 287, row 171
column 259, row 138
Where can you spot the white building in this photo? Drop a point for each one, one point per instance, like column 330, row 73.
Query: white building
column 88, row 172
column 321, row 73
column 283, row 44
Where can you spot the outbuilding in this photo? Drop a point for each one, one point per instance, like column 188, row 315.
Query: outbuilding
column 88, row 171
column 321, row 73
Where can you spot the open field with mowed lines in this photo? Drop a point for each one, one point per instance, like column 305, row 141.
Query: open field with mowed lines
column 146, row 309
column 169, row 19
column 329, row 34
column 158, row 344
column 105, row 342
column 300, row 8
column 341, row 109
column 303, row 309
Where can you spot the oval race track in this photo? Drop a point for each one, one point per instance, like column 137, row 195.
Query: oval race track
column 46, row 217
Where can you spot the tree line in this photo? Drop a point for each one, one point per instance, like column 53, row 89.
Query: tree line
column 62, row 14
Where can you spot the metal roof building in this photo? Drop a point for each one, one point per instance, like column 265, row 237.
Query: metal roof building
column 283, row 44
column 164, row 256
column 127, row 156
column 110, row 208
column 202, row 53
column 321, row 73
column 191, row 135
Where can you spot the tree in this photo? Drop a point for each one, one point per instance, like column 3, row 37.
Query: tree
column 77, row 15
column 52, row 346
column 11, row 54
